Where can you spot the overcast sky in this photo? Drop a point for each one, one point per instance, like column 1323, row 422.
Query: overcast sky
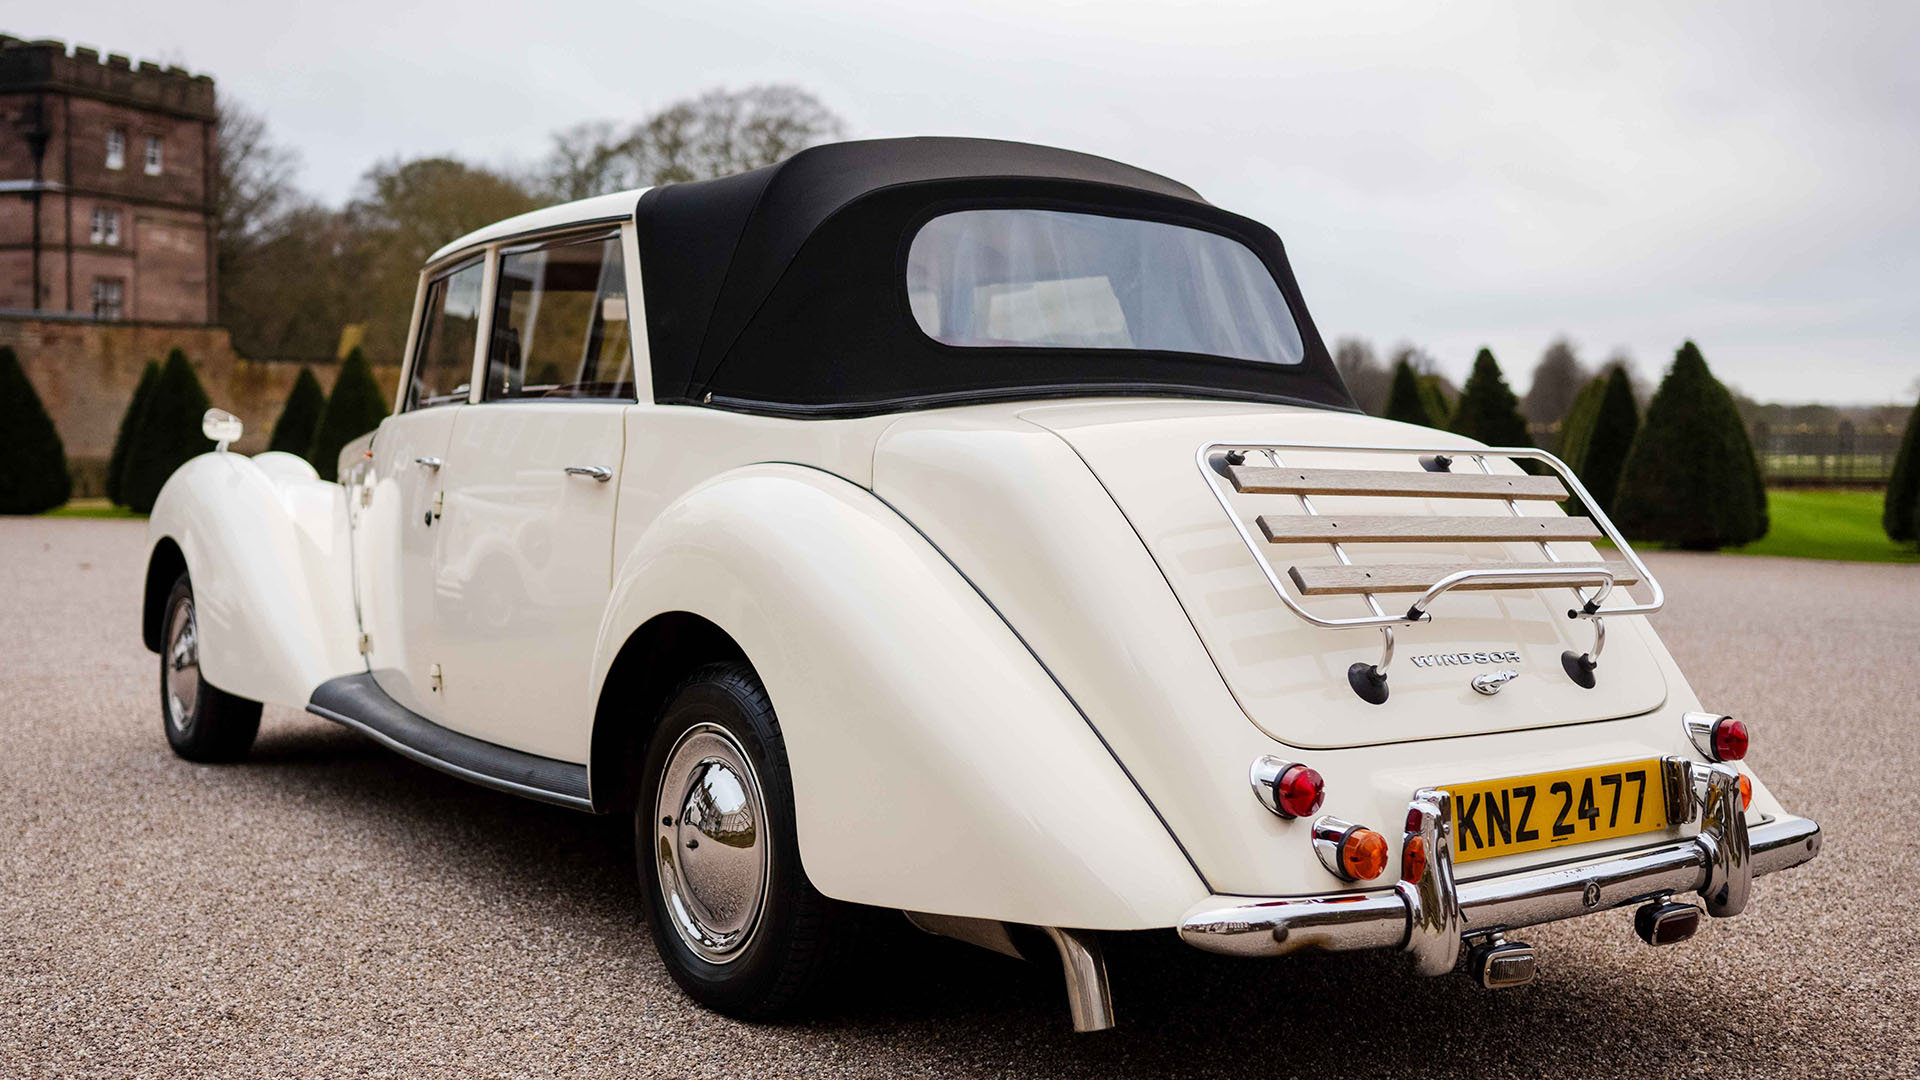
column 1747, row 175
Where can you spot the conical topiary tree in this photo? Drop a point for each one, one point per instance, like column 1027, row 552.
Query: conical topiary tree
column 129, row 425
column 167, row 434
column 300, row 416
column 1901, row 515
column 34, row 478
column 355, row 408
column 1488, row 409
column 1409, row 402
column 1577, row 425
column 1434, row 394
column 1608, row 438
column 1691, row 479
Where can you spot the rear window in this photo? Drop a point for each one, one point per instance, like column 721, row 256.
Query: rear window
column 1054, row 279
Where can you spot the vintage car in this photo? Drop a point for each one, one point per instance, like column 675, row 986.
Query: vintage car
column 975, row 530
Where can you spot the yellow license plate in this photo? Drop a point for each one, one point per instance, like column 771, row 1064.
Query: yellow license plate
column 1556, row 809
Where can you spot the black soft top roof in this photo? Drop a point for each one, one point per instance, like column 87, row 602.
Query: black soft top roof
column 783, row 289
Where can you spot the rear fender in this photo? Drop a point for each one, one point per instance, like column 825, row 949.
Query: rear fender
column 936, row 765
column 265, row 541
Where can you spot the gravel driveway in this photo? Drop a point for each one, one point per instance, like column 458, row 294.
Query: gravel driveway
column 328, row 909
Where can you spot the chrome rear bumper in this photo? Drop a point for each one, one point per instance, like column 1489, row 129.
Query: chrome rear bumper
column 1430, row 917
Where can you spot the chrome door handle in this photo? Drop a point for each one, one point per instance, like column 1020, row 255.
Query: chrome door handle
column 428, row 463
column 598, row 472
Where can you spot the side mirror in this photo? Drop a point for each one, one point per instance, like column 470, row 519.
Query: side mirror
column 222, row 427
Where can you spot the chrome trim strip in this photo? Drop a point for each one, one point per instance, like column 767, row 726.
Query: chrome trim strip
column 424, row 758
column 1242, row 926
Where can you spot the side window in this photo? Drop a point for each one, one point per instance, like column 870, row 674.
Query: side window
column 450, row 327
column 560, row 322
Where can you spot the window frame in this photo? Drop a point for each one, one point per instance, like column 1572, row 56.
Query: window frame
column 153, row 156
column 577, row 233
column 119, row 287
column 440, row 271
column 116, row 149
column 489, row 250
column 104, row 228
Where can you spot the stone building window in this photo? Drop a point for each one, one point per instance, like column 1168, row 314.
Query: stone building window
column 116, row 149
column 153, row 155
column 106, row 226
column 107, row 292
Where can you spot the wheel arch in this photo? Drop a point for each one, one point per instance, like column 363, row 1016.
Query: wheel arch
column 164, row 567
column 650, row 663
column 936, row 765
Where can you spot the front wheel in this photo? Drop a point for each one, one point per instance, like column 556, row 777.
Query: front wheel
column 732, row 913
column 203, row 722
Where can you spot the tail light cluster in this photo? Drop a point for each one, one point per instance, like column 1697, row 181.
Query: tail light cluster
column 1293, row 790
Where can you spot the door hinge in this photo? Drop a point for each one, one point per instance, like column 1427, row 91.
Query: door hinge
column 366, row 644
column 433, row 677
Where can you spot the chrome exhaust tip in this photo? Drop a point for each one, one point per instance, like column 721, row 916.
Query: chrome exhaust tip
column 1500, row 964
column 1666, row 923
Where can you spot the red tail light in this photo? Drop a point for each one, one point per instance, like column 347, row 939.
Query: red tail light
column 1299, row 791
column 1718, row 738
column 1729, row 739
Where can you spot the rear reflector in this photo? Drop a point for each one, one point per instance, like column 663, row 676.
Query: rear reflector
column 1413, row 860
column 1746, row 791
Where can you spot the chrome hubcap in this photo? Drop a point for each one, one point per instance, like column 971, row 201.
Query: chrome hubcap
column 710, row 844
column 180, row 671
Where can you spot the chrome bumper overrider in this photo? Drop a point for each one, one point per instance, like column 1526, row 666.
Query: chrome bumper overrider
column 1429, row 918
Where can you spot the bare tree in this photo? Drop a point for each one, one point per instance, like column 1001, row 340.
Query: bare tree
column 1367, row 379
column 252, row 192
column 253, row 178
column 1557, row 380
column 717, row 133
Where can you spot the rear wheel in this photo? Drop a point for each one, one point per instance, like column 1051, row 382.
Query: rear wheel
column 202, row 721
column 733, row 915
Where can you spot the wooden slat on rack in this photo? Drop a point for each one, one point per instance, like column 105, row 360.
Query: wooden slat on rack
column 1419, row 577
column 1268, row 480
column 1412, row 529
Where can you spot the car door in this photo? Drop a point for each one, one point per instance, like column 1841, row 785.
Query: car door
column 525, row 563
column 397, row 537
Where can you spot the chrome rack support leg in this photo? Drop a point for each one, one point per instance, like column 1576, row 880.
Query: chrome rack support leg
column 1086, row 969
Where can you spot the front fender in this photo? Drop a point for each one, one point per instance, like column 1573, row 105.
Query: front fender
column 266, row 543
column 937, row 767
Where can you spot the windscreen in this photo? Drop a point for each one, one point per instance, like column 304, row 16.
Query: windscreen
column 1026, row 278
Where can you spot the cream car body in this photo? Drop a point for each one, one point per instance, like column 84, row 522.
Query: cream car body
column 1021, row 658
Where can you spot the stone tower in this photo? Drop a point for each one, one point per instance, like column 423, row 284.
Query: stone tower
column 106, row 187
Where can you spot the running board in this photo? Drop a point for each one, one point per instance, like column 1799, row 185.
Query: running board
column 358, row 702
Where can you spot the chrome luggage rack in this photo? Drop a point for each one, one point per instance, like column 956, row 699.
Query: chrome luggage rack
column 1255, row 468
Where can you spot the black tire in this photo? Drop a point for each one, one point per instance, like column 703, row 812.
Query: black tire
column 215, row 726
column 794, row 939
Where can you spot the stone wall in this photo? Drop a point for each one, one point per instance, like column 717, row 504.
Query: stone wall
column 85, row 372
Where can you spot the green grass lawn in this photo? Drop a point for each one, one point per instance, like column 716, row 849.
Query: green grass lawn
column 93, row 508
column 1811, row 523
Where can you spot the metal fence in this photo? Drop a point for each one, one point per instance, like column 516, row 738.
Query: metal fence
column 1826, row 458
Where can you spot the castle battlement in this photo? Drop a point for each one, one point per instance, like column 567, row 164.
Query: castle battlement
column 51, row 65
